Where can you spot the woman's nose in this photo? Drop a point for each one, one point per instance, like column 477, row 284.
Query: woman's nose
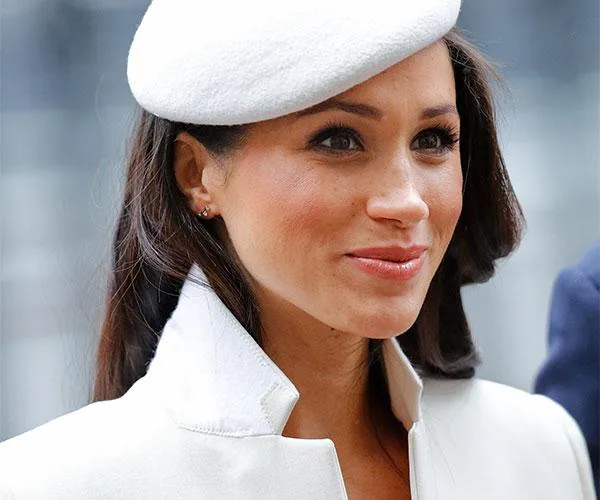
column 399, row 200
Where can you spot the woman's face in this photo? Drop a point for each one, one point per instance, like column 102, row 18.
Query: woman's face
column 343, row 211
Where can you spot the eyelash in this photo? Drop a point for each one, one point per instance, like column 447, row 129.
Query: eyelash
column 332, row 129
column 448, row 135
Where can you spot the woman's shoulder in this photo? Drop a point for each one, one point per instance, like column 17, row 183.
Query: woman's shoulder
column 478, row 392
column 495, row 403
column 516, row 430
column 91, row 425
column 58, row 455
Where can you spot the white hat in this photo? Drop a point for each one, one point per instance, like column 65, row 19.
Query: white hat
column 229, row 62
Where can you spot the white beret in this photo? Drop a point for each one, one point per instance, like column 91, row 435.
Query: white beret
column 229, row 62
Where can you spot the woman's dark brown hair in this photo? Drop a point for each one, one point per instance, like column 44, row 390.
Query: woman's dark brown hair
column 158, row 238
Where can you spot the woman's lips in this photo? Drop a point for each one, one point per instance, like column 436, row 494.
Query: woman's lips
column 392, row 263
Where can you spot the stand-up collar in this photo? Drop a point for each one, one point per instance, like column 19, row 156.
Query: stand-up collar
column 213, row 377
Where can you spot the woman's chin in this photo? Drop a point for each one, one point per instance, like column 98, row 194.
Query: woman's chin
column 383, row 328
column 388, row 334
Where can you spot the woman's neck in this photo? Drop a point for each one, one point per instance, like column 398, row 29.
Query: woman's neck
column 342, row 398
column 330, row 369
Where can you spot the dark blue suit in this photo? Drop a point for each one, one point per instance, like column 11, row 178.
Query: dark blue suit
column 571, row 374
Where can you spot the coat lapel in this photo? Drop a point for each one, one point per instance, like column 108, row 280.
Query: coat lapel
column 211, row 373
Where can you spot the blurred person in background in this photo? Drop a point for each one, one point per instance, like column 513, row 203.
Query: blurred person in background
column 571, row 374
column 306, row 196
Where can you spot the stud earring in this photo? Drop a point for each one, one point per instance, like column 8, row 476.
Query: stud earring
column 204, row 212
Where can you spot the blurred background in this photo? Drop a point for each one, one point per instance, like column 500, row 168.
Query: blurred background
column 65, row 114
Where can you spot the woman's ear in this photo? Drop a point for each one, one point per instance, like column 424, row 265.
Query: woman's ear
column 193, row 165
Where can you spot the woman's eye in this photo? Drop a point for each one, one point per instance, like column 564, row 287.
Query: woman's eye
column 429, row 141
column 438, row 141
column 340, row 142
column 337, row 140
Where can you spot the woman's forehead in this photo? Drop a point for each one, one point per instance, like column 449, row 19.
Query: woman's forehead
column 428, row 73
column 424, row 81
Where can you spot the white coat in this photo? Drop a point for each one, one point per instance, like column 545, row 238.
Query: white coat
column 205, row 423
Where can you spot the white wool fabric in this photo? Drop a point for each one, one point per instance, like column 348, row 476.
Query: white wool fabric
column 229, row 62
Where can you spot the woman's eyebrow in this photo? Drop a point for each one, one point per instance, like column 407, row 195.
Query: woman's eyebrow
column 348, row 107
column 370, row 111
column 435, row 111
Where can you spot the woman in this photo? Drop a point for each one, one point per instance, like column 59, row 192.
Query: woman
column 308, row 189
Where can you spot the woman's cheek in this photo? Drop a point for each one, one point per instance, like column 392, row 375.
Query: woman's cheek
column 298, row 194
column 445, row 203
column 456, row 195
column 280, row 208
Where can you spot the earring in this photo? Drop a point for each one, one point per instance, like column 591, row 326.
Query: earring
column 204, row 212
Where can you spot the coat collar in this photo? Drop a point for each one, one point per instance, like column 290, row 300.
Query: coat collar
column 214, row 378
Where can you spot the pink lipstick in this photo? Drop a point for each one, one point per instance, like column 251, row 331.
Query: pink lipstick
column 390, row 262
